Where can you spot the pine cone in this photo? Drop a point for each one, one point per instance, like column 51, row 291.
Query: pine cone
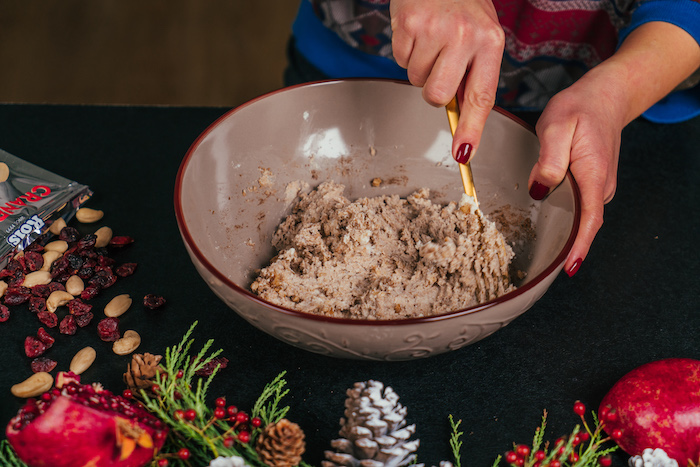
column 281, row 444
column 141, row 372
column 373, row 431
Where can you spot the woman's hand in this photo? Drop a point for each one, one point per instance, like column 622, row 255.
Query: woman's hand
column 451, row 47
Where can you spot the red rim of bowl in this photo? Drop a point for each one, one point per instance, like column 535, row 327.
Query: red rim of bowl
column 189, row 240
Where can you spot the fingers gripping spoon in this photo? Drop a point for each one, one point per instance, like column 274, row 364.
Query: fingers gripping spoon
column 464, row 169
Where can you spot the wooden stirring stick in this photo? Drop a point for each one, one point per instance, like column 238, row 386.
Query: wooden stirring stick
column 464, row 169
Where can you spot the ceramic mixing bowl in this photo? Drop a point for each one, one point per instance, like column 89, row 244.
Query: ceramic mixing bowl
column 238, row 180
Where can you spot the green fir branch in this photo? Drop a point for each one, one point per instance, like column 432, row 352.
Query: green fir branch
column 455, row 442
column 8, row 457
column 267, row 407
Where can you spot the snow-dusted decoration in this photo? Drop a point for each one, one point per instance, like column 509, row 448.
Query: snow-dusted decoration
column 652, row 458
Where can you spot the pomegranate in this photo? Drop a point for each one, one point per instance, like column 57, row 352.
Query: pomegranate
column 657, row 406
column 83, row 424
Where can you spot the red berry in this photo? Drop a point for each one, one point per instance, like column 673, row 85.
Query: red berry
column 555, row 463
column 231, row 410
column 190, row 414
column 611, row 416
column 183, row 454
column 179, row 414
column 127, row 394
column 522, row 450
column 179, row 374
column 242, row 417
column 520, row 462
column 244, row 437
column 228, row 441
column 604, row 412
column 219, row 413
column 579, row 408
column 573, row 457
column 511, row 457
column 163, row 462
column 221, row 402
column 577, row 440
column 540, row 455
column 176, row 395
column 616, row 434
column 605, row 461
column 584, row 436
column 256, row 422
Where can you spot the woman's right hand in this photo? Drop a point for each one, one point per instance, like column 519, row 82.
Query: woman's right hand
column 451, row 48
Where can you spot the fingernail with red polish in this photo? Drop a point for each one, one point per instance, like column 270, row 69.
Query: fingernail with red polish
column 574, row 267
column 463, row 153
column 538, row 191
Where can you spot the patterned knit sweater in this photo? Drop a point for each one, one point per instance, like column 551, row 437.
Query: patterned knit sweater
column 549, row 44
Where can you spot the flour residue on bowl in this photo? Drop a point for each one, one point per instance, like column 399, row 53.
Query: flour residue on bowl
column 384, row 257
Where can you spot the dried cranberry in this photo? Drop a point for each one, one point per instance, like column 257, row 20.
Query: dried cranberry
column 37, row 244
column 68, row 325
column 4, row 313
column 78, row 307
column 45, row 337
column 37, row 304
column 69, row 234
column 103, row 278
column 90, row 292
column 86, row 273
column 152, row 301
column 41, row 290
column 33, row 347
column 16, row 280
column 108, row 329
column 105, row 261
column 84, row 319
column 43, row 364
column 210, row 366
column 75, row 262
column 121, row 240
column 60, row 267
column 87, row 242
column 33, row 261
column 48, row 319
column 125, row 270
column 17, row 295
column 54, row 286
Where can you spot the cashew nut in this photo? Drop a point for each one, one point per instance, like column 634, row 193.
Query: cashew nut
column 75, row 285
column 57, row 245
column 118, row 305
column 57, row 226
column 104, row 235
column 88, row 215
column 36, row 278
column 82, row 360
column 49, row 257
column 127, row 344
column 56, row 299
column 3, row 288
column 33, row 386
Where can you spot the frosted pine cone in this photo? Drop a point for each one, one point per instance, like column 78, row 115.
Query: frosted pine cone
column 373, row 431
column 652, row 458
column 281, row 444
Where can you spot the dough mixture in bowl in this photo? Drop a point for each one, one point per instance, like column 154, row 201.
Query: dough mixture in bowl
column 384, row 257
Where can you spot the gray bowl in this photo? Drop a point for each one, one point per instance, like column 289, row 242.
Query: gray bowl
column 235, row 184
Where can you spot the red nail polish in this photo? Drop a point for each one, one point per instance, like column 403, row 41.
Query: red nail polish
column 574, row 267
column 463, row 153
column 538, row 191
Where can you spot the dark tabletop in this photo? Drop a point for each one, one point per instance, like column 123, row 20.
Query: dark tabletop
column 635, row 299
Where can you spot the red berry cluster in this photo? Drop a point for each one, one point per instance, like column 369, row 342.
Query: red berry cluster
column 569, row 449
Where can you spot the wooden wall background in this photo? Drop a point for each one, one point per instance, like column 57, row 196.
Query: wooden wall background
column 162, row 52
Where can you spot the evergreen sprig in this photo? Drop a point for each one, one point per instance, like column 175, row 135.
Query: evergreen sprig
column 8, row 457
column 179, row 389
column 455, row 441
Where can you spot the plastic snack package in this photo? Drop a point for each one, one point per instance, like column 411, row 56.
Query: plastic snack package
column 31, row 199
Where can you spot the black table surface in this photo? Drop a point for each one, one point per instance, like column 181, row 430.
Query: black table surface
column 635, row 299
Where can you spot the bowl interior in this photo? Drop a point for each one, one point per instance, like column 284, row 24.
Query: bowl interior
column 240, row 177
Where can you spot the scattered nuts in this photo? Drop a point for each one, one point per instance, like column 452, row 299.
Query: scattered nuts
column 118, row 306
column 33, row 386
column 49, row 257
column 104, row 235
column 4, row 172
column 3, row 288
column 56, row 299
column 376, row 182
column 57, row 226
column 88, row 215
column 127, row 344
column 82, row 360
column 36, row 278
column 75, row 285
column 57, row 245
